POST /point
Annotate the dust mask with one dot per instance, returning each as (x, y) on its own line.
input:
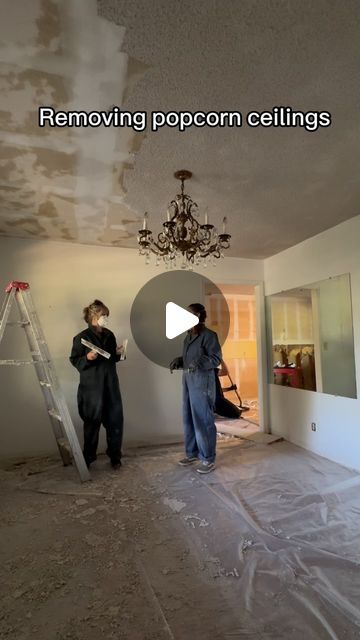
(103, 321)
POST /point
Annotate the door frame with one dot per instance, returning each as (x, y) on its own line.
(261, 344)
(262, 358)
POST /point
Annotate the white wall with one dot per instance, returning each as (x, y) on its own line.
(336, 337)
(64, 278)
(331, 253)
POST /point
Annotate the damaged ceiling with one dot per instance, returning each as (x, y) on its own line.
(277, 186)
(64, 183)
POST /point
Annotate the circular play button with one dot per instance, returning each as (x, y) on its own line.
(160, 316)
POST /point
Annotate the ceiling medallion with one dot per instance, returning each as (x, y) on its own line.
(184, 242)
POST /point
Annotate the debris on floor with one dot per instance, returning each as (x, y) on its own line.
(153, 552)
(175, 505)
(200, 521)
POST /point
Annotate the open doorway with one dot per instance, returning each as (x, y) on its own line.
(239, 348)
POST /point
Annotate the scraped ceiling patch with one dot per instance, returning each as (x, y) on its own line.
(58, 183)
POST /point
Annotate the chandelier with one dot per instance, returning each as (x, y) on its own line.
(184, 242)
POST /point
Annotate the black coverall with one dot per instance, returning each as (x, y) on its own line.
(99, 397)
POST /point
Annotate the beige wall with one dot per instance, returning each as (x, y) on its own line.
(64, 277)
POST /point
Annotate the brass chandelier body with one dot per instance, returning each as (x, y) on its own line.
(182, 235)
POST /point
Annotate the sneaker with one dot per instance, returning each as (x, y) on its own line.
(184, 462)
(206, 467)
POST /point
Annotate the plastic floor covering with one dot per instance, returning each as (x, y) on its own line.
(267, 546)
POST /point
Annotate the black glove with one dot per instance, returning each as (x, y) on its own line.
(177, 363)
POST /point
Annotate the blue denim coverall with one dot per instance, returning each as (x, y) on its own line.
(202, 355)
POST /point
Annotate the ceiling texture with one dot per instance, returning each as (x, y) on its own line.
(277, 186)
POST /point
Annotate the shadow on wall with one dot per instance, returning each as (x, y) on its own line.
(25, 426)
(26, 429)
(64, 279)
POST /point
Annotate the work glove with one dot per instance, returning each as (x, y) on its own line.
(177, 363)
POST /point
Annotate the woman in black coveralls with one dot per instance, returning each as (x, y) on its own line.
(99, 397)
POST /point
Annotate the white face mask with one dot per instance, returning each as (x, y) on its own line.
(103, 321)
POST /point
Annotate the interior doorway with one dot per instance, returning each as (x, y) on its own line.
(240, 347)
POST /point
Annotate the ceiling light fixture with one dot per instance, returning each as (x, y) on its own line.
(183, 237)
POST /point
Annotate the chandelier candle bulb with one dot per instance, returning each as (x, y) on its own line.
(224, 225)
(206, 218)
(168, 214)
(145, 223)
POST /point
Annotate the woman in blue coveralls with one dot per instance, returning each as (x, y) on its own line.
(201, 356)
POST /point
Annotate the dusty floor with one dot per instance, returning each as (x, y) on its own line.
(253, 414)
(267, 546)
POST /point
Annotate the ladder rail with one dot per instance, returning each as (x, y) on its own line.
(54, 398)
(36, 339)
(35, 335)
(29, 313)
(5, 311)
(42, 366)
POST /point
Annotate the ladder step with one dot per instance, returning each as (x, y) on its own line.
(16, 362)
(55, 415)
(23, 323)
(233, 387)
(21, 362)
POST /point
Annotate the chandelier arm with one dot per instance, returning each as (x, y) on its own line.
(214, 248)
(158, 250)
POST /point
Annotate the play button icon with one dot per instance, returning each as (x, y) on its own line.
(159, 314)
(178, 320)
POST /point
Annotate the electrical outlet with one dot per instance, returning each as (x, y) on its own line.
(313, 426)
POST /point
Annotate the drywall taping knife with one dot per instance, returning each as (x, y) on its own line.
(93, 347)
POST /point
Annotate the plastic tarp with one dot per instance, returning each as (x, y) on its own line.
(278, 528)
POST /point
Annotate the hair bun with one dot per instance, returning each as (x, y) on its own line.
(94, 308)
